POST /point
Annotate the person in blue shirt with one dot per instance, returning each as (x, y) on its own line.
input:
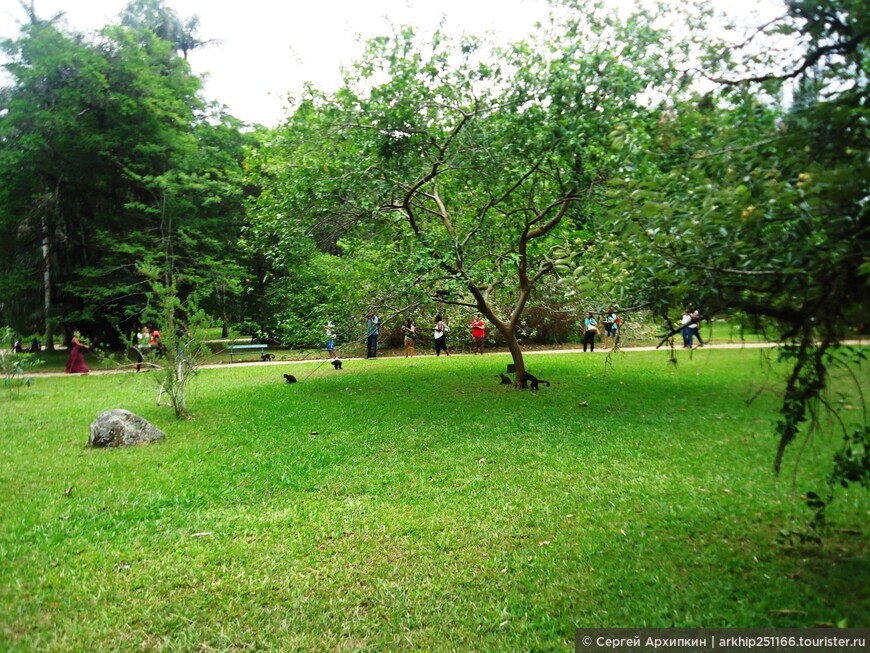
(330, 339)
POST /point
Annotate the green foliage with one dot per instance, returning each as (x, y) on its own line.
(14, 365)
(102, 141)
(180, 324)
(465, 163)
(748, 203)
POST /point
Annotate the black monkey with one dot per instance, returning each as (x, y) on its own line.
(336, 363)
(505, 380)
(267, 357)
(533, 381)
(289, 378)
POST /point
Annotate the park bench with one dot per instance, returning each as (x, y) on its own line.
(247, 349)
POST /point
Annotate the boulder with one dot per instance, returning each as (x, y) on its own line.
(121, 428)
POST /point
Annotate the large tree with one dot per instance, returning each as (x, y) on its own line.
(470, 163)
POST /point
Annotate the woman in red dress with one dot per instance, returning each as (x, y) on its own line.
(75, 364)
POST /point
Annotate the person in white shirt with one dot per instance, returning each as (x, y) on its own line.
(440, 332)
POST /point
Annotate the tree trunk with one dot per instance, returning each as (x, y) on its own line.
(46, 282)
(225, 324)
(513, 344)
(507, 329)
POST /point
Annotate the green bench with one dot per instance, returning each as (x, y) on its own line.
(248, 349)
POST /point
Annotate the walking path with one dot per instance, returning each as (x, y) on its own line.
(491, 352)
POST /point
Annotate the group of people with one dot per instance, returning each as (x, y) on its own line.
(148, 340)
(410, 334)
(609, 327)
(18, 346)
(610, 321)
(75, 363)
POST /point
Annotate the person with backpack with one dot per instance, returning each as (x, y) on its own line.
(696, 327)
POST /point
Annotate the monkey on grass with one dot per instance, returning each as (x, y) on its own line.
(533, 381)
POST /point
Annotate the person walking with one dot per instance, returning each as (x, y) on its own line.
(75, 364)
(611, 326)
(409, 330)
(590, 330)
(440, 332)
(373, 330)
(478, 333)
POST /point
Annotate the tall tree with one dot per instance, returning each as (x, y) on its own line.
(165, 23)
(107, 149)
(473, 163)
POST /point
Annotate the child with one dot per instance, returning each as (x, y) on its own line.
(330, 339)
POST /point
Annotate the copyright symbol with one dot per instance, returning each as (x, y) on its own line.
(587, 641)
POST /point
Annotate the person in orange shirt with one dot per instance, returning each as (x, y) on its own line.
(156, 342)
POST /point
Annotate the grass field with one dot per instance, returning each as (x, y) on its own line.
(416, 504)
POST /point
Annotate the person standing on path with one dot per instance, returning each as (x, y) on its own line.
(686, 329)
(143, 344)
(409, 330)
(440, 332)
(590, 330)
(696, 327)
(373, 330)
(610, 326)
(478, 333)
(330, 339)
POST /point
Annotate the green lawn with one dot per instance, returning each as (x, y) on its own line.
(404, 504)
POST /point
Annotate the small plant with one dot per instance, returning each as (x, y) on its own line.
(179, 346)
(14, 364)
